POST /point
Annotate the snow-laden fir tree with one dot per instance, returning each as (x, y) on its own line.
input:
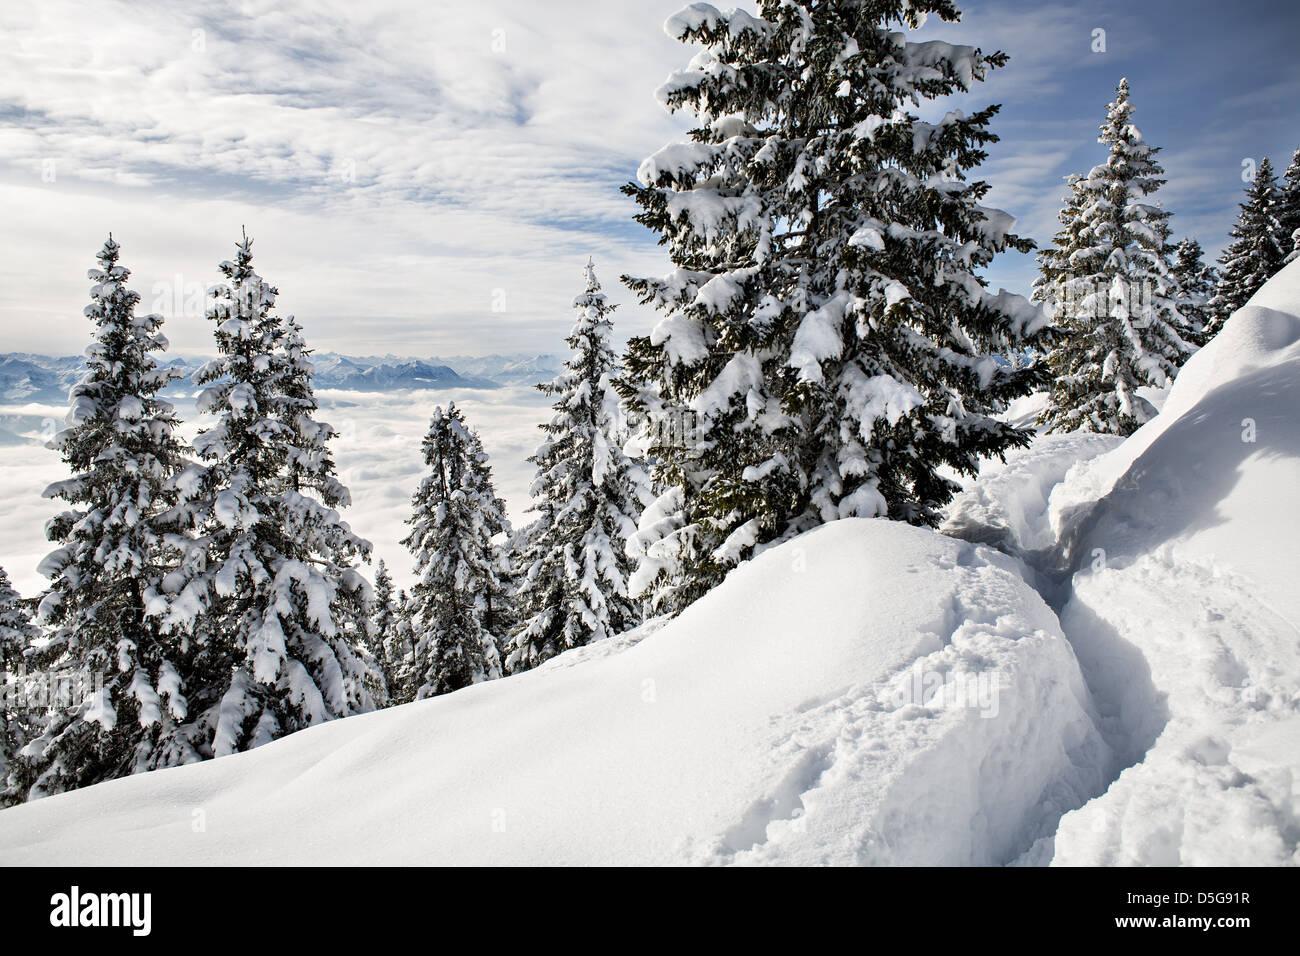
(17, 629)
(1197, 282)
(1255, 251)
(1054, 261)
(510, 573)
(1114, 295)
(309, 460)
(588, 495)
(456, 598)
(383, 627)
(383, 611)
(399, 653)
(268, 599)
(17, 636)
(1288, 215)
(828, 347)
(497, 600)
(312, 471)
(119, 679)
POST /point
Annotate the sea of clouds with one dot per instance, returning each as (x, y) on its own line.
(377, 451)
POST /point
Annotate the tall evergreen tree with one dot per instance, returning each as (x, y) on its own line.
(1198, 282)
(383, 628)
(17, 636)
(497, 598)
(312, 471)
(510, 572)
(828, 348)
(1288, 216)
(269, 599)
(309, 461)
(455, 516)
(122, 679)
(399, 653)
(1255, 252)
(1114, 293)
(588, 495)
(1054, 269)
(383, 614)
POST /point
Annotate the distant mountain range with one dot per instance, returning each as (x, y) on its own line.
(27, 379)
(42, 378)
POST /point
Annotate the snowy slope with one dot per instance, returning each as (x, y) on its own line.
(1186, 612)
(1009, 505)
(869, 693)
(1172, 558)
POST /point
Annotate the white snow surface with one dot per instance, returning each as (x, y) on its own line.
(867, 693)
(1180, 548)
(870, 693)
(1186, 612)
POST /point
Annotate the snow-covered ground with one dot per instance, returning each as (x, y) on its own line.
(1116, 685)
(1186, 614)
(1173, 556)
(841, 699)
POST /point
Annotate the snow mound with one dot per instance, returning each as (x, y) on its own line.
(1262, 335)
(1007, 506)
(1184, 613)
(867, 693)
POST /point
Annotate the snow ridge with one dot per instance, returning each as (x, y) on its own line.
(1178, 599)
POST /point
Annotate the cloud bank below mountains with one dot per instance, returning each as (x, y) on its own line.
(378, 453)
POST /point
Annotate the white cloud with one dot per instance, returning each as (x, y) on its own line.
(378, 453)
(397, 163)
(402, 164)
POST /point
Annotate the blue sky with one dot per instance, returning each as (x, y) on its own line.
(1212, 86)
(428, 179)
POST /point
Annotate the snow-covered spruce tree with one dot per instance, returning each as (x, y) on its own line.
(1115, 297)
(312, 471)
(1197, 281)
(1054, 261)
(828, 346)
(1255, 252)
(497, 601)
(510, 572)
(456, 597)
(310, 464)
(399, 653)
(588, 495)
(271, 606)
(1288, 216)
(383, 628)
(120, 680)
(383, 609)
(17, 634)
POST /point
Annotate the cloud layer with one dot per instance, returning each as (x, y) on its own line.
(379, 457)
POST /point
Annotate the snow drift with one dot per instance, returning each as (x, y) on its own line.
(869, 693)
(1172, 557)
(1185, 611)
